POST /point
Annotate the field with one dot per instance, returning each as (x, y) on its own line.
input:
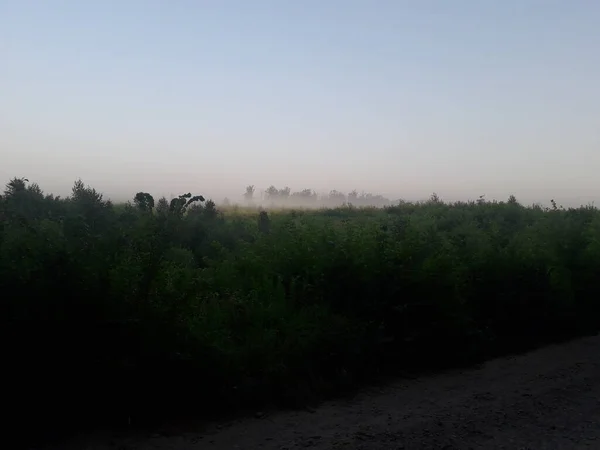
(131, 313)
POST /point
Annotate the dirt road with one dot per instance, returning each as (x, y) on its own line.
(548, 399)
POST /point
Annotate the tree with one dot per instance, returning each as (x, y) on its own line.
(336, 198)
(434, 198)
(179, 205)
(143, 201)
(88, 202)
(284, 193)
(15, 185)
(210, 209)
(305, 197)
(353, 197)
(272, 193)
(249, 194)
(85, 194)
(162, 207)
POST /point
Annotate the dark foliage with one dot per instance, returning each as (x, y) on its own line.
(124, 314)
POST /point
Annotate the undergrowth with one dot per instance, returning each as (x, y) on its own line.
(132, 313)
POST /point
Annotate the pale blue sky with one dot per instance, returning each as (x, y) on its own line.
(396, 97)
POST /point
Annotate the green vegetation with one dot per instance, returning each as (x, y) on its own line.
(132, 312)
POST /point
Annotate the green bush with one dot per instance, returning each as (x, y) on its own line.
(130, 312)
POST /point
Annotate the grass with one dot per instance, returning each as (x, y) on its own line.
(138, 312)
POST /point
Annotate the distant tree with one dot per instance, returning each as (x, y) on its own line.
(179, 205)
(434, 198)
(85, 194)
(162, 207)
(309, 197)
(143, 201)
(306, 197)
(305, 193)
(210, 209)
(368, 199)
(23, 201)
(336, 198)
(35, 189)
(284, 193)
(249, 194)
(272, 193)
(89, 202)
(353, 197)
(15, 185)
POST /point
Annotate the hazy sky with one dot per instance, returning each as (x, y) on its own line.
(395, 97)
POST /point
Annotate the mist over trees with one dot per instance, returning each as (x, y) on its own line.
(129, 312)
(308, 198)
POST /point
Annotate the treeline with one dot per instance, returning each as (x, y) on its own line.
(122, 314)
(307, 198)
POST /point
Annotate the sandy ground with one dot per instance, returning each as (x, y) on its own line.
(547, 399)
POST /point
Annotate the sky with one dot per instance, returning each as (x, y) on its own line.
(401, 98)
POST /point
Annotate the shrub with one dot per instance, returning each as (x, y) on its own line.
(123, 314)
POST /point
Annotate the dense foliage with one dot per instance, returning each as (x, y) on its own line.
(124, 312)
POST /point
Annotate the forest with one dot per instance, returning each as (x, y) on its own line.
(308, 198)
(128, 314)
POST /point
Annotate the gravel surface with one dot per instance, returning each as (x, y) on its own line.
(547, 399)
